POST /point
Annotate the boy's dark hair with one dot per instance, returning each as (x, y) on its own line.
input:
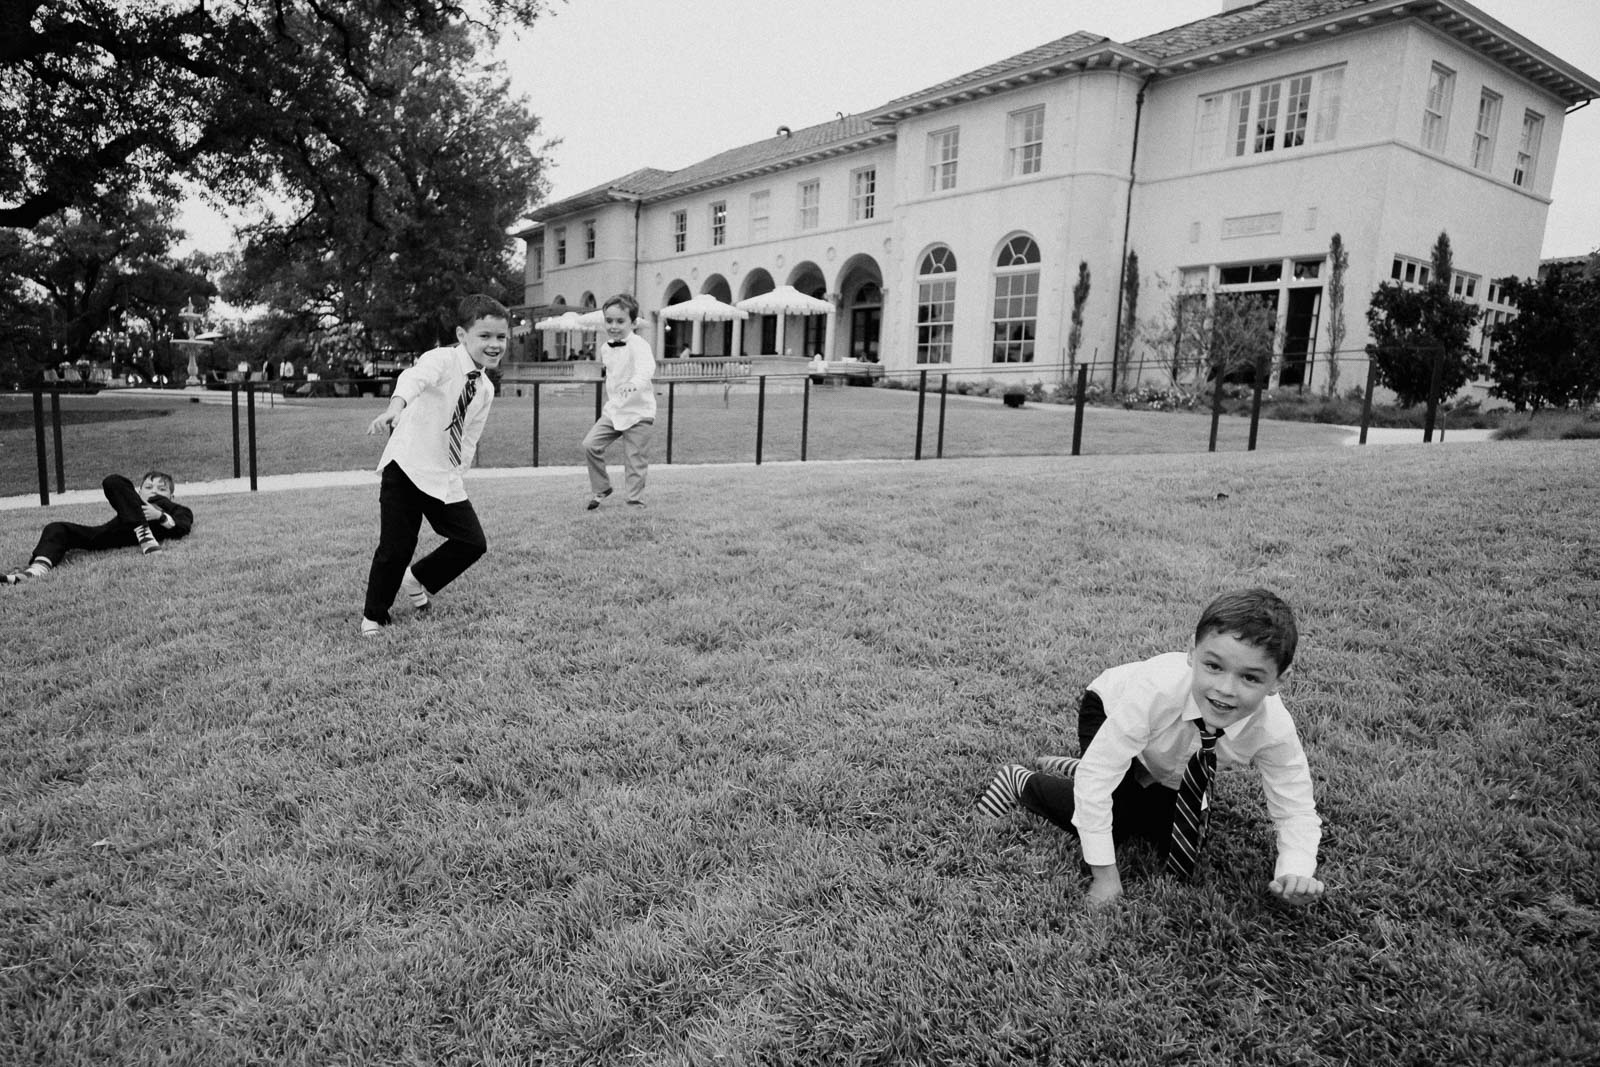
(626, 302)
(172, 483)
(1255, 616)
(479, 306)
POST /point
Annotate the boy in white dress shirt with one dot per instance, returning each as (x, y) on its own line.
(435, 417)
(630, 408)
(1142, 728)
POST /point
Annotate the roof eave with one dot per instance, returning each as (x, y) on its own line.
(821, 152)
(1103, 56)
(1456, 18)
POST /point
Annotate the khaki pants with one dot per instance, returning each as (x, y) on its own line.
(635, 460)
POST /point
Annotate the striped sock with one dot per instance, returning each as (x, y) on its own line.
(1005, 791)
(147, 540)
(37, 569)
(1060, 766)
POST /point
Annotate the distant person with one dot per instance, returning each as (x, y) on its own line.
(286, 370)
(630, 408)
(1150, 736)
(434, 418)
(146, 516)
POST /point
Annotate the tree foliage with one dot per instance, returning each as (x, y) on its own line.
(1338, 263)
(100, 97)
(1128, 328)
(1080, 297)
(1548, 355)
(1415, 329)
(1206, 333)
(458, 170)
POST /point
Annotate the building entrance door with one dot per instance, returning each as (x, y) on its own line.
(865, 323)
(1299, 334)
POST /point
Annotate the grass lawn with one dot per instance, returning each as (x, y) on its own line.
(695, 786)
(195, 440)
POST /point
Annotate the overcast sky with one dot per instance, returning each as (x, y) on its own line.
(624, 84)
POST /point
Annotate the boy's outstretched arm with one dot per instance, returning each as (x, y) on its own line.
(1295, 888)
(390, 416)
(1105, 885)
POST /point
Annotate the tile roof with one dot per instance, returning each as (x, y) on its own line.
(1061, 46)
(1237, 24)
(776, 149)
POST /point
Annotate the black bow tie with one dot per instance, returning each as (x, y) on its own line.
(616, 344)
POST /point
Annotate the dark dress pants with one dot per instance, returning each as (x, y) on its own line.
(1137, 811)
(401, 509)
(59, 537)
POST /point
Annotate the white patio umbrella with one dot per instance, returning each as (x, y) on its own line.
(703, 308)
(782, 301)
(569, 322)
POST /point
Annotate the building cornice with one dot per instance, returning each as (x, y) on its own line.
(871, 139)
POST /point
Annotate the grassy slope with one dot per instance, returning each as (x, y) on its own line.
(696, 783)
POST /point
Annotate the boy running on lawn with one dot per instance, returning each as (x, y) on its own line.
(434, 418)
(1150, 736)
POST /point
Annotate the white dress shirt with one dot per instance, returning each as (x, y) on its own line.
(421, 439)
(631, 364)
(1151, 715)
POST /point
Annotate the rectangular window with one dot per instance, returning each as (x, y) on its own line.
(760, 214)
(936, 320)
(864, 194)
(719, 223)
(1408, 271)
(810, 204)
(1488, 125)
(561, 246)
(1464, 286)
(1436, 112)
(680, 230)
(943, 149)
(1025, 142)
(1528, 149)
(536, 254)
(1270, 117)
(1016, 309)
(588, 239)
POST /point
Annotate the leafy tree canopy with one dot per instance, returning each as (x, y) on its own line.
(100, 97)
(1549, 353)
(1415, 329)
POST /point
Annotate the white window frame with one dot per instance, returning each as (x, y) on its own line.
(589, 238)
(561, 246)
(809, 200)
(1014, 308)
(1436, 108)
(719, 223)
(1282, 115)
(944, 156)
(936, 289)
(1487, 130)
(1410, 271)
(536, 254)
(760, 214)
(680, 231)
(1025, 141)
(864, 194)
(1528, 149)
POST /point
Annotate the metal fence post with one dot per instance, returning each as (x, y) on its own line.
(536, 385)
(1255, 406)
(672, 422)
(1433, 395)
(1366, 399)
(234, 391)
(1216, 410)
(1077, 414)
(55, 429)
(761, 413)
(944, 389)
(38, 440)
(250, 399)
(922, 397)
(599, 397)
(805, 416)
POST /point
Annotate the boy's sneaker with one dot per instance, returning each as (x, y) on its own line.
(14, 577)
(1005, 791)
(147, 540)
(37, 569)
(1060, 766)
(370, 628)
(594, 501)
(415, 591)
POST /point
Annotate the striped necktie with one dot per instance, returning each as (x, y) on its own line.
(460, 416)
(1191, 812)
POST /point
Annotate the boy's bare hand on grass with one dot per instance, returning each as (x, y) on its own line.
(1295, 888)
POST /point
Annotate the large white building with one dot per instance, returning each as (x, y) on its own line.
(947, 227)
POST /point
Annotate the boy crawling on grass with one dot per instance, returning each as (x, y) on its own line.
(1150, 735)
(146, 516)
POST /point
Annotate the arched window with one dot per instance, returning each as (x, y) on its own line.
(1016, 300)
(936, 305)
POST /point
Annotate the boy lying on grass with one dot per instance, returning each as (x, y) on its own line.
(1150, 735)
(146, 516)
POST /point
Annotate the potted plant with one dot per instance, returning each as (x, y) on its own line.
(1014, 395)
